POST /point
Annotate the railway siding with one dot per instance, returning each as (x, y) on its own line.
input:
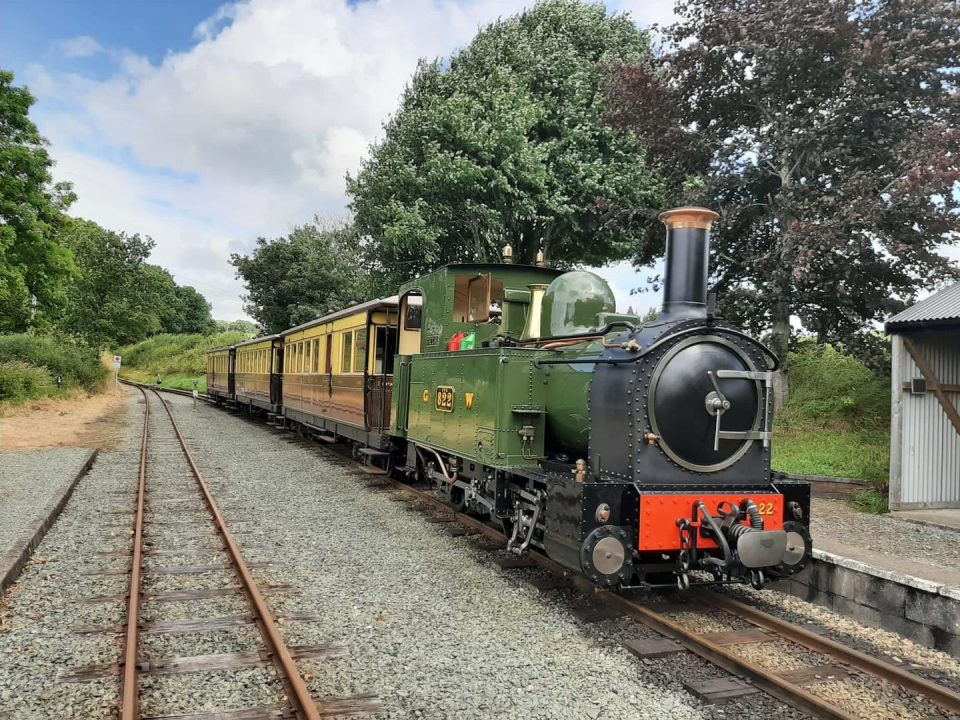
(44, 606)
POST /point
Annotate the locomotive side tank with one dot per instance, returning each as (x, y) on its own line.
(635, 454)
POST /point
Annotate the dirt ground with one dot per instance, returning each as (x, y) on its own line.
(80, 421)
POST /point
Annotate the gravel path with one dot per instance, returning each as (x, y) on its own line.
(836, 520)
(29, 481)
(432, 626)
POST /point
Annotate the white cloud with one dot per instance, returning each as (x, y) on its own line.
(251, 130)
(80, 47)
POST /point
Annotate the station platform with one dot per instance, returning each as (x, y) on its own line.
(35, 485)
(946, 519)
(885, 571)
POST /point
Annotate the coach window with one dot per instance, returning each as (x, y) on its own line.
(315, 355)
(359, 350)
(346, 351)
(411, 322)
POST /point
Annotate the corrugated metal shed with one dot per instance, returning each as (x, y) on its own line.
(925, 403)
(942, 308)
(924, 445)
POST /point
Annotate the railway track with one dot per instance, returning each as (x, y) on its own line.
(834, 661)
(190, 496)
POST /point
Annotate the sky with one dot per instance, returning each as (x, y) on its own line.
(206, 124)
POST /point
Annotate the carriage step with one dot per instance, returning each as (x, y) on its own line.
(371, 469)
(371, 452)
(330, 439)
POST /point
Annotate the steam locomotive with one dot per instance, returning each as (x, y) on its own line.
(637, 454)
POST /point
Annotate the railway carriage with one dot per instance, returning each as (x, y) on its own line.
(258, 379)
(220, 373)
(338, 373)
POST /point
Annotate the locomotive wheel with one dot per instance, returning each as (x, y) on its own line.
(457, 498)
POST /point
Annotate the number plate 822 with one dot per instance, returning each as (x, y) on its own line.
(445, 398)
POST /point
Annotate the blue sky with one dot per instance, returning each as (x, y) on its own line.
(206, 124)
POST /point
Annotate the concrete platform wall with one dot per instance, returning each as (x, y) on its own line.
(920, 610)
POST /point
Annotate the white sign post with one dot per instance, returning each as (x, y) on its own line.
(117, 361)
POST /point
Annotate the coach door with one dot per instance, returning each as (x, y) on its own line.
(380, 375)
(276, 375)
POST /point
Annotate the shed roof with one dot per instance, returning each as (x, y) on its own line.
(942, 308)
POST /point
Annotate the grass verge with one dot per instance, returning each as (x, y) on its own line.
(836, 423)
(179, 359)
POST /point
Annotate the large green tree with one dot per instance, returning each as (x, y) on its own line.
(117, 298)
(827, 134)
(505, 143)
(314, 270)
(33, 264)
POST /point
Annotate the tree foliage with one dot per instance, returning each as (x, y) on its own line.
(116, 297)
(827, 133)
(505, 143)
(314, 270)
(240, 326)
(33, 265)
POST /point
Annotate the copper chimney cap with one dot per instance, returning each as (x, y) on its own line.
(688, 217)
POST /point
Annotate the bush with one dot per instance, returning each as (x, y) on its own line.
(22, 381)
(80, 366)
(184, 355)
(828, 388)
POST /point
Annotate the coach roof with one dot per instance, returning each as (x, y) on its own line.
(346, 312)
(260, 339)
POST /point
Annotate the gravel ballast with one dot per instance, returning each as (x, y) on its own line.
(428, 622)
(431, 625)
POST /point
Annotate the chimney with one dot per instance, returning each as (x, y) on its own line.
(688, 253)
